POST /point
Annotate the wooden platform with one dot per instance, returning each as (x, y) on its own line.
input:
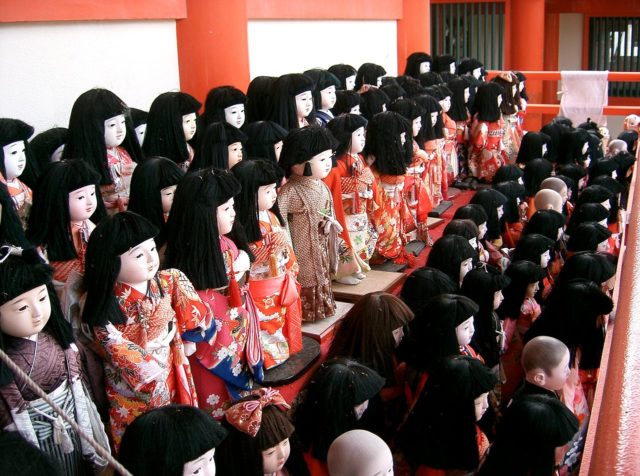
(320, 330)
(375, 281)
(296, 366)
(433, 222)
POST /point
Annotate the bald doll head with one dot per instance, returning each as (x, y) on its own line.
(359, 453)
(546, 362)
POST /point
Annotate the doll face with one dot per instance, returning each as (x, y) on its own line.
(321, 164)
(26, 314)
(609, 285)
(544, 259)
(514, 89)
(585, 148)
(204, 465)
(425, 67)
(521, 86)
(328, 97)
(398, 335)
(141, 130)
(558, 376)
(277, 149)
(474, 243)
(379, 81)
(544, 150)
(115, 131)
(564, 193)
(359, 410)
(57, 154)
(445, 104)
(15, 159)
(465, 267)
(234, 115)
(417, 125)
(499, 99)
(267, 196)
(355, 110)
(82, 203)
(500, 211)
(403, 138)
(226, 216)
(139, 264)
(273, 459)
(476, 73)
(467, 95)
(350, 82)
(606, 204)
(189, 126)
(235, 153)
(434, 118)
(498, 297)
(304, 104)
(166, 196)
(603, 247)
(464, 331)
(483, 230)
(358, 140)
(532, 289)
(560, 233)
(603, 222)
(481, 405)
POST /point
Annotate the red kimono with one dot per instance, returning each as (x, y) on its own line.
(416, 194)
(486, 150)
(22, 198)
(450, 152)
(116, 195)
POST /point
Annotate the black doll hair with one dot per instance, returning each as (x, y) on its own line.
(193, 244)
(410, 110)
(485, 103)
(442, 63)
(521, 79)
(165, 134)
(616, 188)
(535, 171)
(301, 145)
(490, 200)
(631, 138)
(43, 145)
(343, 127)
(394, 91)
(571, 144)
(472, 212)
(213, 149)
(14, 130)
(448, 253)
(594, 194)
(345, 102)
(252, 174)
(160, 441)
(572, 188)
(412, 86)
(508, 173)
(11, 231)
(373, 101)
(531, 247)
(322, 79)
(594, 212)
(258, 92)
(467, 65)
(521, 274)
(414, 61)
(111, 237)
(430, 104)
(531, 147)
(510, 101)
(463, 227)
(574, 172)
(342, 72)
(514, 192)
(602, 167)
(430, 78)
(18, 275)
(383, 143)
(261, 137)
(440, 430)
(282, 100)
(423, 284)
(458, 111)
(218, 99)
(545, 222)
(586, 237)
(85, 138)
(138, 117)
(147, 182)
(49, 220)
(589, 265)
(326, 409)
(368, 73)
(20, 457)
(233, 134)
(555, 132)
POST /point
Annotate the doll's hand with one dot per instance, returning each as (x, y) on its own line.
(366, 194)
(330, 221)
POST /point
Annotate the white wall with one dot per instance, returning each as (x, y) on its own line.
(278, 47)
(44, 67)
(570, 42)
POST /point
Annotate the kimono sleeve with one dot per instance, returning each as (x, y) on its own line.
(194, 317)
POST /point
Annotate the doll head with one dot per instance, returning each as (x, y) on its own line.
(549, 223)
(616, 146)
(454, 256)
(47, 146)
(476, 213)
(424, 284)
(291, 101)
(347, 102)
(350, 132)
(371, 331)
(225, 104)
(521, 85)
(510, 96)
(257, 107)
(394, 91)
(139, 120)
(430, 78)
(465, 228)
(414, 113)
(493, 203)
(153, 187)
(369, 73)
(573, 146)
(417, 64)
(514, 192)
(258, 180)
(534, 247)
(595, 194)
(603, 167)
(68, 192)
(264, 140)
(577, 174)
(346, 74)
(471, 67)
(15, 149)
(89, 135)
(221, 147)
(486, 103)
(547, 199)
(326, 84)
(359, 453)
(11, 231)
(445, 64)
(308, 152)
(631, 138)
(120, 249)
(587, 212)
(333, 400)
(171, 440)
(597, 267)
(615, 188)
(20, 457)
(557, 185)
(387, 142)
(524, 276)
(374, 101)
(432, 129)
(535, 172)
(589, 236)
(533, 146)
(546, 362)
(258, 435)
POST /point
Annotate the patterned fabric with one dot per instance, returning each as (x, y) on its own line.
(247, 416)
(415, 191)
(512, 137)
(434, 171)
(80, 235)
(450, 154)
(388, 218)
(486, 149)
(116, 195)
(22, 197)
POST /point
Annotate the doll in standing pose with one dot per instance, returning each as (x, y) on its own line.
(101, 133)
(433, 145)
(139, 317)
(510, 108)
(307, 208)
(291, 101)
(274, 269)
(351, 184)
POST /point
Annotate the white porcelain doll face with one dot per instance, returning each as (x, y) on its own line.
(498, 297)
(204, 465)
(445, 104)
(360, 409)
(350, 82)
(26, 314)
(141, 130)
(606, 204)
(482, 229)
(544, 150)
(166, 197)
(355, 110)
(189, 126)
(277, 149)
(476, 73)
(403, 138)
(321, 164)
(273, 459)
(328, 97)
(15, 159)
(500, 211)
(585, 148)
(304, 104)
(115, 131)
(514, 89)
(226, 215)
(417, 125)
(452, 68)
(57, 154)
(235, 153)
(481, 405)
(434, 119)
(379, 81)
(464, 331)
(82, 203)
(521, 86)
(267, 196)
(544, 259)
(139, 264)
(499, 100)
(425, 67)
(474, 243)
(234, 115)
(467, 95)
(465, 267)
(358, 140)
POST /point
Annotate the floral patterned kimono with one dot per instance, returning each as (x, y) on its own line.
(351, 185)
(145, 365)
(305, 202)
(434, 173)
(275, 292)
(486, 150)
(462, 145)
(22, 198)
(512, 137)
(116, 195)
(450, 152)
(416, 194)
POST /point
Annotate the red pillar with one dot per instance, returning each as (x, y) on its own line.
(414, 30)
(213, 48)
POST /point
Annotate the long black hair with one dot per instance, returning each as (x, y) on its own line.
(343, 127)
(414, 61)
(368, 73)
(383, 143)
(261, 139)
(218, 99)
(485, 103)
(258, 93)
(15, 130)
(342, 72)
(282, 100)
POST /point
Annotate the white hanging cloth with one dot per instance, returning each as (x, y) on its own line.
(584, 95)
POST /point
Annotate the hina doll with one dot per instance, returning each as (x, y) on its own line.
(101, 133)
(346, 74)
(224, 104)
(138, 317)
(324, 94)
(291, 101)
(418, 63)
(171, 127)
(199, 242)
(307, 207)
(264, 140)
(36, 337)
(510, 108)
(274, 269)
(351, 185)
(221, 146)
(433, 146)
